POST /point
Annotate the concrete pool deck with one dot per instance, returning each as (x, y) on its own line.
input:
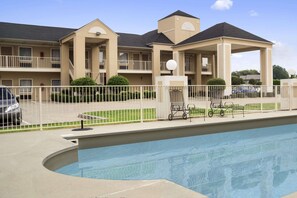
(22, 155)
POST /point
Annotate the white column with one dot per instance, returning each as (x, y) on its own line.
(179, 57)
(266, 69)
(64, 76)
(224, 64)
(79, 50)
(95, 64)
(198, 75)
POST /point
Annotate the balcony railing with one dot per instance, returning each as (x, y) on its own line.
(135, 65)
(207, 68)
(29, 62)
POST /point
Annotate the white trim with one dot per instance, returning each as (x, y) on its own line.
(29, 61)
(51, 55)
(51, 90)
(7, 79)
(6, 46)
(21, 86)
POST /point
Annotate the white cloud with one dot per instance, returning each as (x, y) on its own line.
(222, 5)
(253, 13)
(283, 54)
(237, 55)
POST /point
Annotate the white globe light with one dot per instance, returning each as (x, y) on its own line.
(171, 65)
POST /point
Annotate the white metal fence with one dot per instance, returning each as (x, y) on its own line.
(45, 107)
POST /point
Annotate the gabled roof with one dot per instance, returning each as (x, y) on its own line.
(155, 37)
(54, 34)
(222, 30)
(32, 32)
(135, 40)
(179, 13)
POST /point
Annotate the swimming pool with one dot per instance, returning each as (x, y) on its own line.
(249, 163)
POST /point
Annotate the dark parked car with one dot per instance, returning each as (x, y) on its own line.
(10, 111)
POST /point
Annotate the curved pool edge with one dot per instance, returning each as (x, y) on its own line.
(91, 140)
(61, 158)
(23, 173)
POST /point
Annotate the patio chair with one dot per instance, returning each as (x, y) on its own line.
(217, 105)
(177, 104)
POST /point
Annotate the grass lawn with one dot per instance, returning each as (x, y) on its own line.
(124, 116)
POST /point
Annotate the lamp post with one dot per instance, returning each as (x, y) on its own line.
(171, 65)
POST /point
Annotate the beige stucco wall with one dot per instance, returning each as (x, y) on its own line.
(37, 77)
(139, 79)
(179, 28)
(36, 49)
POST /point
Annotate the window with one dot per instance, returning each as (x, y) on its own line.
(26, 86)
(55, 54)
(205, 64)
(101, 60)
(56, 85)
(7, 83)
(188, 62)
(26, 53)
(123, 58)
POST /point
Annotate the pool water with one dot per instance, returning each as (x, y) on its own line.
(249, 163)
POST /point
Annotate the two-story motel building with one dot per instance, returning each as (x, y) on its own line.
(33, 55)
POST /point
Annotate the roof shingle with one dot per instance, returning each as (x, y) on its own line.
(32, 32)
(221, 30)
(179, 13)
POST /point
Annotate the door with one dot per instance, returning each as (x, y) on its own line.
(6, 57)
(136, 62)
(146, 63)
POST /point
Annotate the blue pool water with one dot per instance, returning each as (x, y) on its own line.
(249, 163)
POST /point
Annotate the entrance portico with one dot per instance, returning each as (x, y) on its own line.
(216, 49)
(77, 62)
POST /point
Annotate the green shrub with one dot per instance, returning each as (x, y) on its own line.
(252, 82)
(259, 83)
(149, 94)
(216, 81)
(85, 81)
(134, 95)
(236, 80)
(118, 80)
(65, 98)
(276, 82)
(253, 95)
(217, 86)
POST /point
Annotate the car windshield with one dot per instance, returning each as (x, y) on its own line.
(5, 94)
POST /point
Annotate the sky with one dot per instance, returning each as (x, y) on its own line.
(274, 20)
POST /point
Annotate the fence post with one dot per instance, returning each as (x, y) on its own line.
(40, 108)
(261, 99)
(6, 61)
(206, 101)
(141, 104)
(275, 97)
(290, 97)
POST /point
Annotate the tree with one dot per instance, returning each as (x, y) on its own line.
(252, 82)
(245, 72)
(236, 80)
(279, 72)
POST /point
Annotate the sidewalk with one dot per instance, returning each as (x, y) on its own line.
(23, 175)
